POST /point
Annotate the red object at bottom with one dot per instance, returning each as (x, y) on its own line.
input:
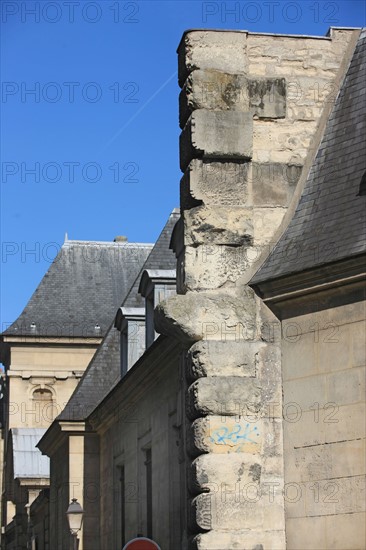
(141, 543)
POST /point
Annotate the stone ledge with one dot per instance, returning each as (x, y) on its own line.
(218, 358)
(223, 396)
(216, 135)
(208, 315)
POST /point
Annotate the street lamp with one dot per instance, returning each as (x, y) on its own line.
(75, 518)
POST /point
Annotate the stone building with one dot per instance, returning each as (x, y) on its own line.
(75, 449)
(224, 407)
(45, 352)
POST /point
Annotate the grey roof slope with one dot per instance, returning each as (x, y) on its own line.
(329, 222)
(103, 371)
(161, 257)
(81, 289)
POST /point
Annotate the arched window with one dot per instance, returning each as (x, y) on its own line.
(43, 399)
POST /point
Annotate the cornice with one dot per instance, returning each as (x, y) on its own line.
(336, 283)
(152, 365)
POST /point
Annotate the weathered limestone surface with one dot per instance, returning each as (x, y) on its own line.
(218, 225)
(267, 97)
(219, 91)
(247, 431)
(206, 315)
(208, 267)
(249, 111)
(325, 432)
(220, 358)
(214, 90)
(227, 395)
(224, 52)
(243, 539)
(214, 183)
(238, 184)
(216, 135)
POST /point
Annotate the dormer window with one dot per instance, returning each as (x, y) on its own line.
(362, 189)
(155, 285)
(130, 321)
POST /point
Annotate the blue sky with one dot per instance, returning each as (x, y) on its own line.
(93, 149)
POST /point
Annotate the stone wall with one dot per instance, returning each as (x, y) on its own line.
(143, 413)
(250, 112)
(59, 498)
(53, 366)
(39, 529)
(324, 429)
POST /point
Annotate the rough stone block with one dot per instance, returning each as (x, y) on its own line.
(226, 135)
(218, 225)
(215, 358)
(200, 513)
(217, 50)
(222, 91)
(248, 432)
(223, 395)
(224, 434)
(226, 511)
(213, 90)
(241, 539)
(212, 266)
(214, 183)
(207, 315)
(209, 471)
(267, 97)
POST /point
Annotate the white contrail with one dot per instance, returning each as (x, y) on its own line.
(138, 112)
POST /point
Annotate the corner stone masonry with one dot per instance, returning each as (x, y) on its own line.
(250, 109)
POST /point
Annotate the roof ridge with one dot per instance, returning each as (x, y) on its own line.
(124, 244)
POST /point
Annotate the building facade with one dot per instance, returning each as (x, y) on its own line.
(45, 352)
(224, 407)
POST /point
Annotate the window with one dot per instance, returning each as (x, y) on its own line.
(148, 465)
(119, 523)
(155, 285)
(130, 321)
(122, 505)
(44, 406)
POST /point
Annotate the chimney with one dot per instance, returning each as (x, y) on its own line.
(120, 239)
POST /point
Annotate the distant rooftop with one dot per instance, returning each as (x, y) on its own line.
(104, 370)
(83, 287)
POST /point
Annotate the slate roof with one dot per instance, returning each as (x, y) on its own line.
(81, 290)
(161, 257)
(28, 461)
(103, 371)
(329, 222)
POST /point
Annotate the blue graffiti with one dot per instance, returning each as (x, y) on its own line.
(238, 434)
